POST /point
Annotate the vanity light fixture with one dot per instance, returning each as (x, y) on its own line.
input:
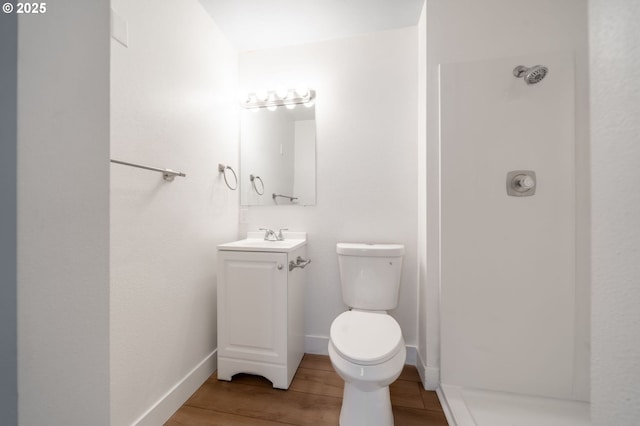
(262, 95)
(282, 92)
(271, 99)
(243, 96)
(302, 90)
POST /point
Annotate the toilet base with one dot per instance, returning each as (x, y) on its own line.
(360, 408)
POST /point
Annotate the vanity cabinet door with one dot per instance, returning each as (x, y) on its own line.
(252, 306)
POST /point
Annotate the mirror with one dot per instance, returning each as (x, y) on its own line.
(278, 156)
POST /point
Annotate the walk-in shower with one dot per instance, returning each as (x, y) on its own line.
(514, 287)
(531, 75)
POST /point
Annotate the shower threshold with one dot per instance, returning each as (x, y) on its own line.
(475, 407)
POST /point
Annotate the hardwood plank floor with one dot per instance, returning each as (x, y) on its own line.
(314, 398)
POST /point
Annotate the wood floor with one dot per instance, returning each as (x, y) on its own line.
(314, 398)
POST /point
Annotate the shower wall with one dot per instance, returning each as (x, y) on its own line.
(483, 34)
(508, 263)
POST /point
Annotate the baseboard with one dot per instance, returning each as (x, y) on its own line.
(164, 408)
(319, 345)
(422, 371)
(412, 355)
(430, 376)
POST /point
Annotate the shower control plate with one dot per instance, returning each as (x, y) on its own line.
(521, 183)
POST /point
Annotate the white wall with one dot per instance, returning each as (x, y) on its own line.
(63, 215)
(466, 30)
(366, 159)
(173, 100)
(8, 220)
(615, 108)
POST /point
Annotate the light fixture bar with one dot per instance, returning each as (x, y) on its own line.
(273, 100)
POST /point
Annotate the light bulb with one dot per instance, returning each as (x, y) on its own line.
(302, 90)
(262, 95)
(290, 106)
(282, 92)
(243, 96)
(272, 107)
(309, 104)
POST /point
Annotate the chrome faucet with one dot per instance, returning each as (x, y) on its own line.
(280, 236)
(270, 235)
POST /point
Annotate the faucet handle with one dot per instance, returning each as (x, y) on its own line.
(280, 236)
(267, 233)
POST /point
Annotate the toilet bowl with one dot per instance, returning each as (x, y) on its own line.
(366, 347)
(368, 352)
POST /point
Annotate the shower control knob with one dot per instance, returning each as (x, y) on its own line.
(526, 182)
(521, 183)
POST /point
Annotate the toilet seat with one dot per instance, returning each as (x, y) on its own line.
(366, 338)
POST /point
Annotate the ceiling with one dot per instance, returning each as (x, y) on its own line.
(263, 24)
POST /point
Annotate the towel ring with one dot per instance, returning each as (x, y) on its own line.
(253, 179)
(223, 169)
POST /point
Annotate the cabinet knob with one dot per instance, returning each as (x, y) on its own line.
(279, 266)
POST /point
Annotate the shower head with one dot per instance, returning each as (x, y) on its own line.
(532, 75)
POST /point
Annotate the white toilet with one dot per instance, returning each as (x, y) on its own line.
(366, 347)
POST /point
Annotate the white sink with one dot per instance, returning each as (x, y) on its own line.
(255, 242)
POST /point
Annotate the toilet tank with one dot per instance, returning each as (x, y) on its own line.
(370, 275)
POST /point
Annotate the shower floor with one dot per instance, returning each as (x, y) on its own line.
(473, 407)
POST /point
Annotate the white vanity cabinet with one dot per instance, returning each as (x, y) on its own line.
(260, 310)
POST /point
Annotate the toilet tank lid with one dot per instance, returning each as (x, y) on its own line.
(361, 249)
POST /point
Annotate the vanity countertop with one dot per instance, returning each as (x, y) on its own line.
(255, 242)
